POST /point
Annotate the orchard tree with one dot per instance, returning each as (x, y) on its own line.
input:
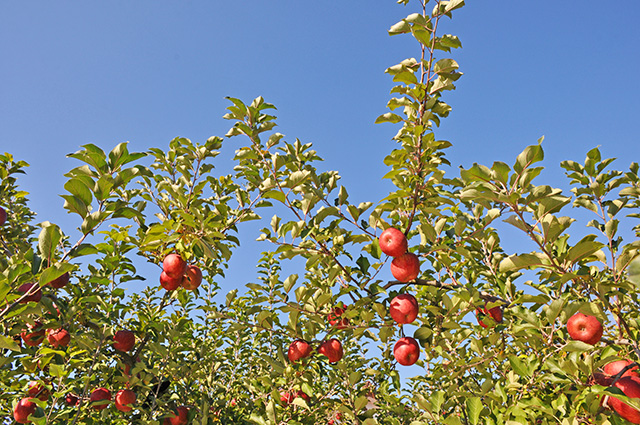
(487, 336)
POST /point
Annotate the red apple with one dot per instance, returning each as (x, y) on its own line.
(332, 348)
(124, 400)
(60, 281)
(180, 416)
(287, 397)
(393, 242)
(38, 390)
(630, 386)
(71, 400)
(193, 278)
(602, 379)
(613, 368)
(3, 216)
(584, 328)
(335, 318)
(23, 410)
(34, 297)
(169, 283)
(124, 340)
(299, 349)
(406, 267)
(494, 312)
(174, 266)
(406, 351)
(58, 337)
(98, 397)
(404, 309)
(33, 338)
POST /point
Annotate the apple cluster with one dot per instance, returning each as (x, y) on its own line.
(405, 265)
(176, 273)
(621, 374)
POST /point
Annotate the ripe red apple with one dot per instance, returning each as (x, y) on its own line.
(335, 318)
(406, 267)
(584, 328)
(630, 386)
(169, 283)
(71, 400)
(3, 216)
(287, 397)
(404, 309)
(174, 266)
(23, 410)
(98, 396)
(58, 337)
(180, 416)
(406, 351)
(299, 349)
(332, 348)
(613, 368)
(124, 340)
(38, 390)
(192, 278)
(34, 338)
(35, 297)
(494, 313)
(60, 282)
(124, 400)
(393, 242)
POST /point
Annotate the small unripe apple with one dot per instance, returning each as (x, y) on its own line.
(35, 297)
(23, 410)
(124, 400)
(406, 351)
(192, 278)
(180, 416)
(60, 282)
(124, 340)
(58, 337)
(332, 348)
(37, 390)
(169, 283)
(404, 309)
(174, 266)
(584, 328)
(393, 242)
(299, 349)
(630, 386)
(34, 338)
(613, 368)
(336, 320)
(494, 313)
(406, 267)
(100, 398)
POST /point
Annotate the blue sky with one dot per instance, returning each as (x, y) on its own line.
(147, 71)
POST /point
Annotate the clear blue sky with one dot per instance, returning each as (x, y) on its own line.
(144, 71)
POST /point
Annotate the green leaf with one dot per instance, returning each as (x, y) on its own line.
(586, 247)
(7, 343)
(388, 117)
(474, 408)
(289, 282)
(48, 239)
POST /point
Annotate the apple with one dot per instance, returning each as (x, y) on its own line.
(98, 397)
(34, 338)
(58, 337)
(124, 340)
(335, 318)
(3, 216)
(174, 266)
(37, 390)
(287, 397)
(71, 400)
(193, 278)
(60, 281)
(494, 313)
(180, 417)
(23, 410)
(613, 368)
(602, 379)
(630, 386)
(35, 297)
(406, 351)
(124, 400)
(169, 283)
(332, 348)
(393, 242)
(584, 328)
(406, 267)
(404, 308)
(299, 349)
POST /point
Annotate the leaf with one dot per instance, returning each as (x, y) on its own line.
(289, 282)
(474, 408)
(48, 239)
(388, 117)
(584, 248)
(7, 343)
(518, 366)
(577, 346)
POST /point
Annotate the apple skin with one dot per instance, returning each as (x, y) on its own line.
(494, 312)
(174, 266)
(404, 309)
(58, 337)
(287, 397)
(124, 340)
(23, 410)
(393, 242)
(35, 297)
(180, 419)
(299, 349)
(192, 278)
(335, 318)
(406, 267)
(584, 328)
(124, 400)
(60, 282)
(169, 283)
(630, 386)
(613, 368)
(100, 394)
(33, 339)
(71, 400)
(37, 390)
(3, 216)
(406, 351)
(332, 348)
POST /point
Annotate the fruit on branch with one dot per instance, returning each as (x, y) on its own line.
(37, 390)
(33, 338)
(58, 337)
(584, 328)
(393, 242)
(174, 266)
(3, 216)
(100, 398)
(406, 351)
(494, 314)
(23, 410)
(124, 340)
(602, 379)
(71, 400)
(630, 386)
(192, 278)
(336, 320)
(404, 309)
(332, 348)
(34, 297)
(169, 283)
(299, 349)
(406, 267)
(287, 397)
(180, 417)
(60, 282)
(124, 400)
(613, 368)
